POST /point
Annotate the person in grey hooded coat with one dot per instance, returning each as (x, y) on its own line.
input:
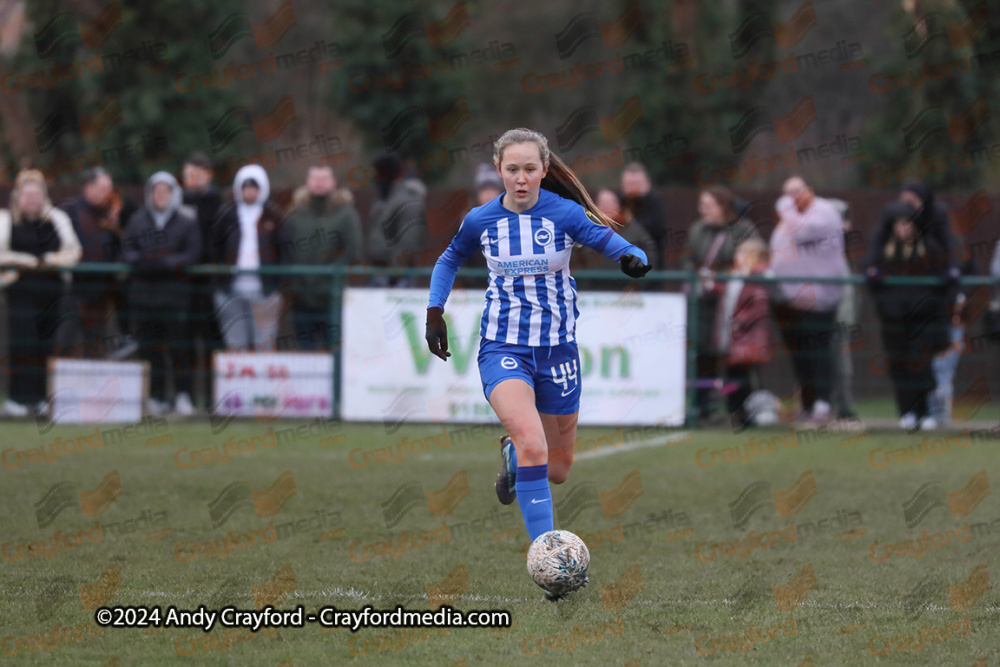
(160, 240)
(398, 224)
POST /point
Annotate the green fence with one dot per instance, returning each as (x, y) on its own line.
(340, 276)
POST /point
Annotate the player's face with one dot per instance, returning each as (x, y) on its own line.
(522, 170)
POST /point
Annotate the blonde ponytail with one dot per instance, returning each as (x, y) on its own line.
(564, 183)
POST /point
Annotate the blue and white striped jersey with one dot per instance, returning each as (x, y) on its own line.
(531, 299)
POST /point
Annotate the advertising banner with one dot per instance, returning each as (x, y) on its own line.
(274, 384)
(632, 358)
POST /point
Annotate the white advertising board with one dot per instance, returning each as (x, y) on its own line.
(89, 391)
(632, 354)
(273, 384)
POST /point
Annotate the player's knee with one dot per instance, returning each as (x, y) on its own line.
(558, 474)
(531, 449)
(561, 458)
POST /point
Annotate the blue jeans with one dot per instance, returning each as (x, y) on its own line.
(249, 321)
(944, 365)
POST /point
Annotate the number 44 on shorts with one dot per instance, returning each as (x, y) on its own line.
(567, 372)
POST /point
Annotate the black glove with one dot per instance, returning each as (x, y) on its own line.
(633, 267)
(437, 333)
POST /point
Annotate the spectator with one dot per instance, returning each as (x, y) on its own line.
(99, 215)
(808, 241)
(624, 215)
(248, 233)
(631, 230)
(160, 240)
(743, 330)
(651, 212)
(842, 396)
(610, 203)
(398, 220)
(326, 229)
(995, 270)
(914, 317)
(931, 219)
(946, 362)
(713, 241)
(201, 195)
(33, 234)
(991, 318)
(489, 185)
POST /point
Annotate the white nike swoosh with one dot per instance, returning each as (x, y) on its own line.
(535, 501)
(567, 393)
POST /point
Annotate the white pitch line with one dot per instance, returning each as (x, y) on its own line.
(350, 594)
(606, 450)
(641, 444)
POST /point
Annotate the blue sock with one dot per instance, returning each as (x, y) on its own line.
(535, 499)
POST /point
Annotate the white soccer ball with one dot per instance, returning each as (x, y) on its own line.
(558, 561)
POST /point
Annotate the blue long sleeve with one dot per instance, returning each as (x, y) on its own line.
(602, 239)
(443, 276)
(616, 246)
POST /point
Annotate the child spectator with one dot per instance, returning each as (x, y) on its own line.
(743, 329)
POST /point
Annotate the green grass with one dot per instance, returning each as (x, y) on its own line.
(680, 601)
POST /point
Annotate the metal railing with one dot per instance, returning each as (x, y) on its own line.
(339, 275)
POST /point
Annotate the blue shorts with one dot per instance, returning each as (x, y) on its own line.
(554, 372)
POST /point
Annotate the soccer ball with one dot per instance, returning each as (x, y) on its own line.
(558, 561)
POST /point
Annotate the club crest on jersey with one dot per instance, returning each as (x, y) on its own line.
(509, 363)
(543, 236)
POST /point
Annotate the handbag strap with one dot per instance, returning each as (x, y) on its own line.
(720, 238)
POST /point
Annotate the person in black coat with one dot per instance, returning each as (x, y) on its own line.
(201, 195)
(159, 242)
(930, 220)
(650, 211)
(99, 216)
(914, 317)
(204, 198)
(251, 232)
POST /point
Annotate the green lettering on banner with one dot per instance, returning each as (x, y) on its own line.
(607, 355)
(418, 346)
(461, 356)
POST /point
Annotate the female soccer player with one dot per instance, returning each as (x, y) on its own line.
(528, 359)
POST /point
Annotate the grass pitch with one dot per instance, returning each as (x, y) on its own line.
(768, 547)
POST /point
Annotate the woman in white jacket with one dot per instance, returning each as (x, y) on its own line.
(33, 235)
